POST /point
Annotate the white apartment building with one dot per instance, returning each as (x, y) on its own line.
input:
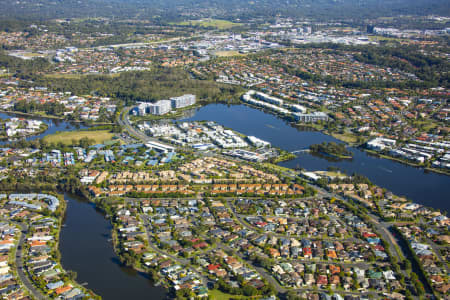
(182, 101)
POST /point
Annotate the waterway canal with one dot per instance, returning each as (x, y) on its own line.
(54, 125)
(423, 187)
(85, 238)
(86, 248)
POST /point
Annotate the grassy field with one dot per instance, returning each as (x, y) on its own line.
(227, 53)
(277, 167)
(378, 38)
(219, 24)
(32, 54)
(65, 76)
(218, 295)
(66, 137)
(345, 137)
(75, 76)
(426, 125)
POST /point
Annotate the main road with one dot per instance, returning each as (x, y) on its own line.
(124, 121)
(382, 228)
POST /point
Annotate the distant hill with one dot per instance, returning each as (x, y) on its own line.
(178, 9)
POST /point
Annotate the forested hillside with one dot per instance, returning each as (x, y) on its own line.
(179, 9)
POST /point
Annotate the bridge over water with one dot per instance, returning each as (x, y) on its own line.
(300, 151)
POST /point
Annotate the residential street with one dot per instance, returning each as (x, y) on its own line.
(19, 262)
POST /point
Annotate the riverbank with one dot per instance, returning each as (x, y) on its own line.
(427, 188)
(180, 112)
(31, 114)
(409, 163)
(71, 275)
(45, 116)
(349, 139)
(87, 247)
(44, 128)
(41, 224)
(283, 156)
(107, 207)
(331, 149)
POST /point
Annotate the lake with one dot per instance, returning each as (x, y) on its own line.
(54, 125)
(420, 186)
(85, 239)
(86, 247)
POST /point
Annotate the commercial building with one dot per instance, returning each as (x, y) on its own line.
(164, 106)
(158, 108)
(160, 147)
(268, 99)
(380, 143)
(311, 117)
(182, 101)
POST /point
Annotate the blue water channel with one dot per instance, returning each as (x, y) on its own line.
(424, 187)
(54, 125)
(85, 240)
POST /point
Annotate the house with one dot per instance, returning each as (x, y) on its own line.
(309, 279)
(274, 252)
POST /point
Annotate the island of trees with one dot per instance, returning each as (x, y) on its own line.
(331, 149)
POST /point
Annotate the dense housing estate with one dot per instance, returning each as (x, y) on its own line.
(205, 211)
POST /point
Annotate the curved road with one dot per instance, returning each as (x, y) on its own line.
(19, 262)
(181, 261)
(124, 121)
(382, 228)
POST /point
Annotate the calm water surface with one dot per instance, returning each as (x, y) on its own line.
(54, 125)
(426, 188)
(85, 239)
(86, 248)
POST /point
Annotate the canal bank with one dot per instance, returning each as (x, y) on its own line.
(86, 247)
(427, 188)
(54, 125)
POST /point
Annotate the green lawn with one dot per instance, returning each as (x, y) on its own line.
(346, 137)
(66, 137)
(218, 295)
(277, 167)
(227, 53)
(426, 125)
(75, 76)
(378, 38)
(31, 54)
(219, 24)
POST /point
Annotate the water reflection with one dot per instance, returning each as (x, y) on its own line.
(86, 248)
(54, 125)
(421, 186)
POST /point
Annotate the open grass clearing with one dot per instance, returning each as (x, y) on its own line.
(378, 38)
(227, 53)
(219, 24)
(66, 137)
(77, 76)
(218, 295)
(277, 167)
(345, 137)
